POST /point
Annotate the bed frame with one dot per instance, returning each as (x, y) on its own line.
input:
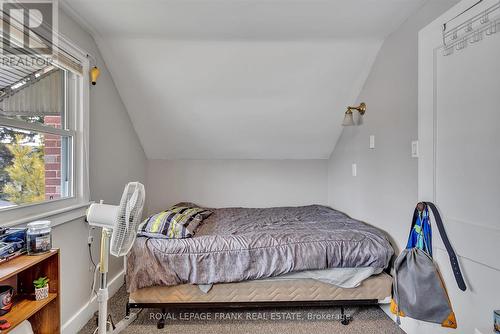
(343, 317)
(263, 294)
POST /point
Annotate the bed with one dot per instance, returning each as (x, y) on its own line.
(242, 253)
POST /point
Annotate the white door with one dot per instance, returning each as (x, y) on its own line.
(459, 164)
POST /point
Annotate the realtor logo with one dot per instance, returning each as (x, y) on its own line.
(28, 27)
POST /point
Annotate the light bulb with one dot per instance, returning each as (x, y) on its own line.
(348, 120)
(358, 119)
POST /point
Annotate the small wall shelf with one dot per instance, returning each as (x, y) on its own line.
(44, 315)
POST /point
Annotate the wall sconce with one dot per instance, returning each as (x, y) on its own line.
(348, 119)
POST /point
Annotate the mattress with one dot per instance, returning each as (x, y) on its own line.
(240, 244)
(377, 287)
(341, 277)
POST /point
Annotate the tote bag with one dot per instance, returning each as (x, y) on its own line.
(419, 291)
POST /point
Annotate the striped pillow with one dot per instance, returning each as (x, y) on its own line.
(175, 223)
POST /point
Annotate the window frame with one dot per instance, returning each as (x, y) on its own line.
(45, 129)
(76, 118)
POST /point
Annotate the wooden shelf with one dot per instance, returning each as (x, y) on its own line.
(44, 315)
(20, 263)
(24, 308)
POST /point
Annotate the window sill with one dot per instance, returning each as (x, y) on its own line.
(57, 217)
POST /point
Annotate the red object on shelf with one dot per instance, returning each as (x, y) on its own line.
(4, 324)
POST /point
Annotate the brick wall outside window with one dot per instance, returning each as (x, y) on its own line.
(52, 156)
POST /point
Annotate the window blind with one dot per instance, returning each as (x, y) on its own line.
(20, 35)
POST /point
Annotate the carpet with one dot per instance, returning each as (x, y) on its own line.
(365, 320)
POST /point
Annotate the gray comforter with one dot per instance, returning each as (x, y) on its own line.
(236, 244)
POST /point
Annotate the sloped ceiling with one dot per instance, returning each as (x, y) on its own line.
(239, 79)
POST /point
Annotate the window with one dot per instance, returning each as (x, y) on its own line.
(37, 136)
(44, 119)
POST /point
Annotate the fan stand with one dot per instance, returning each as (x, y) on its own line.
(102, 294)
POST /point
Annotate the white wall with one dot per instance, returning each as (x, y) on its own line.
(116, 157)
(223, 183)
(240, 81)
(384, 191)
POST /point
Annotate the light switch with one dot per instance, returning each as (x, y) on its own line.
(372, 141)
(414, 149)
(354, 169)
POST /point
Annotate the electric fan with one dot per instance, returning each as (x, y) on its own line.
(119, 223)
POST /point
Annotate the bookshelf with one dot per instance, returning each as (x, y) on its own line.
(44, 315)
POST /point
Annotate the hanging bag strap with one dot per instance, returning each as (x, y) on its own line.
(414, 219)
(451, 253)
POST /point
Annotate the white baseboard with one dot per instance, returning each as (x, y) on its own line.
(387, 310)
(83, 315)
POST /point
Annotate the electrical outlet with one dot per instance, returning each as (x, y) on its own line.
(354, 170)
(90, 239)
(372, 141)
